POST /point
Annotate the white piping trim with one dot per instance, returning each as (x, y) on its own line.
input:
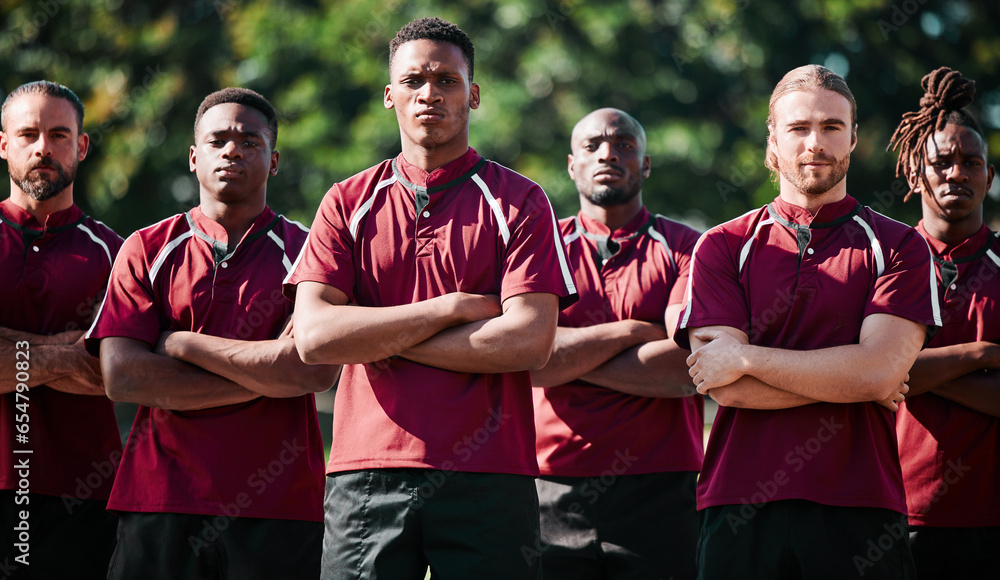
(495, 206)
(994, 257)
(876, 247)
(745, 251)
(97, 240)
(162, 257)
(363, 210)
(284, 255)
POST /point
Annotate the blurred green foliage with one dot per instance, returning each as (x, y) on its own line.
(696, 73)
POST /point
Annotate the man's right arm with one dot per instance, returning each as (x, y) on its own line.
(579, 351)
(746, 392)
(133, 373)
(56, 361)
(329, 331)
(935, 367)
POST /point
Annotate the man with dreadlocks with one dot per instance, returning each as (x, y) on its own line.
(804, 317)
(949, 431)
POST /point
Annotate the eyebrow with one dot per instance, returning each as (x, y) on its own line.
(830, 121)
(59, 129)
(227, 132)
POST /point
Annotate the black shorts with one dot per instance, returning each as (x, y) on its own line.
(65, 538)
(160, 546)
(642, 527)
(803, 540)
(945, 553)
(392, 524)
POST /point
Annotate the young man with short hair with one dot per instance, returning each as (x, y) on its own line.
(619, 438)
(435, 278)
(804, 318)
(222, 473)
(59, 440)
(948, 427)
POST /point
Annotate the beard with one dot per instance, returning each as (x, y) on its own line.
(607, 196)
(798, 176)
(40, 187)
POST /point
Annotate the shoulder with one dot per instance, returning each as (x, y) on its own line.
(362, 184)
(152, 239)
(678, 235)
(892, 233)
(737, 231)
(507, 183)
(101, 235)
(293, 234)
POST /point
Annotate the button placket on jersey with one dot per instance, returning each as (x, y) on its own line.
(424, 230)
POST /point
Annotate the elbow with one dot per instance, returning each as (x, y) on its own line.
(535, 356)
(116, 388)
(321, 378)
(307, 344)
(723, 399)
(536, 350)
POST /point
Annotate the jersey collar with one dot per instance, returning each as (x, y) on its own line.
(609, 243)
(594, 229)
(19, 217)
(825, 217)
(215, 235)
(967, 248)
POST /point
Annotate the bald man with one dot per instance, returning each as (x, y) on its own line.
(619, 434)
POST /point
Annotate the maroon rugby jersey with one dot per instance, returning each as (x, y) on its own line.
(950, 453)
(585, 429)
(806, 288)
(396, 234)
(52, 274)
(265, 456)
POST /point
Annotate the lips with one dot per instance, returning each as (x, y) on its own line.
(608, 174)
(956, 192)
(229, 170)
(430, 115)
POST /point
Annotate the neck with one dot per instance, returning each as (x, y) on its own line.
(614, 216)
(952, 233)
(41, 210)
(431, 158)
(236, 218)
(812, 202)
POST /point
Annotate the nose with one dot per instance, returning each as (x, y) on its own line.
(955, 173)
(43, 146)
(606, 152)
(813, 142)
(231, 151)
(428, 94)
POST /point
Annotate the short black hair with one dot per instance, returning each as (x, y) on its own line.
(437, 30)
(245, 97)
(44, 88)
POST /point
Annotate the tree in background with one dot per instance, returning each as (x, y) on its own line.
(697, 74)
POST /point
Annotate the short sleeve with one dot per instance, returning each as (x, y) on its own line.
(328, 254)
(129, 308)
(682, 260)
(908, 286)
(535, 257)
(715, 295)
